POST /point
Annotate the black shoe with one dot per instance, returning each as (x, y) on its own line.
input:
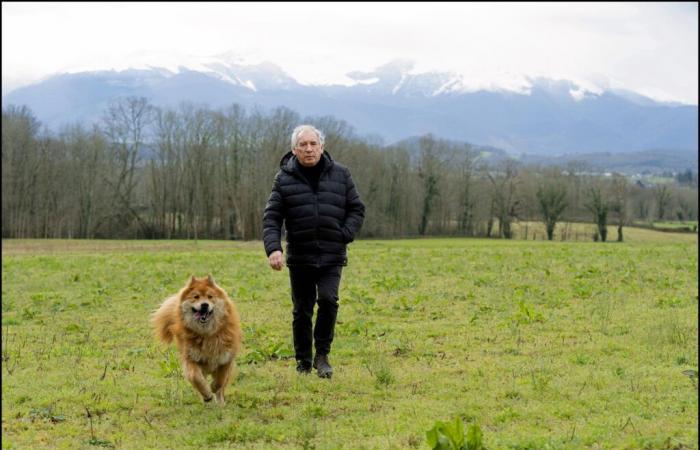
(322, 366)
(303, 367)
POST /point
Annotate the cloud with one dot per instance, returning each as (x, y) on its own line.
(649, 48)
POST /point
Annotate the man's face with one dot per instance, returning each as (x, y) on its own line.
(308, 149)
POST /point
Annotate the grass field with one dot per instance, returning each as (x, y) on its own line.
(688, 224)
(584, 232)
(542, 344)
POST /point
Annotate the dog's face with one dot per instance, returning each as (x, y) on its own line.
(203, 304)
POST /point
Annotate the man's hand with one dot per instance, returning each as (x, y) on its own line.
(276, 260)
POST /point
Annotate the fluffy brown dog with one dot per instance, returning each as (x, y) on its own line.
(207, 330)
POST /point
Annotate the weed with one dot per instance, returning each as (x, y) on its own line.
(451, 436)
(94, 440)
(314, 411)
(669, 302)
(682, 360)
(392, 283)
(169, 365)
(270, 352)
(581, 359)
(513, 395)
(308, 429)
(506, 415)
(46, 414)
(358, 327)
(692, 374)
(408, 304)
(100, 443)
(582, 289)
(402, 345)
(673, 330)
(540, 379)
(379, 368)
(363, 299)
(526, 314)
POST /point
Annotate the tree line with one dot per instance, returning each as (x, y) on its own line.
(192, 172)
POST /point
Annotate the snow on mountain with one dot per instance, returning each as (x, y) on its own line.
(395, 101)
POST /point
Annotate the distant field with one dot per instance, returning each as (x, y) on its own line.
(689, 224)
(583, 232)
(542, 344)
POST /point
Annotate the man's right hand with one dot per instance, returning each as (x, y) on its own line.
(276, 260)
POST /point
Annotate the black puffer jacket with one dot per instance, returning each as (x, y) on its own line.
(318, 224)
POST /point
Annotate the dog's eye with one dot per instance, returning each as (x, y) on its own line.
(196, 297)
(209, 297)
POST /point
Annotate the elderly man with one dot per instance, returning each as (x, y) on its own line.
(315, 197)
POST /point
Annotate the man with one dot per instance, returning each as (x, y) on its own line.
(322, 212)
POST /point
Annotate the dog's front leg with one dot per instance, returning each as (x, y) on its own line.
(222, 375)
(194, 375)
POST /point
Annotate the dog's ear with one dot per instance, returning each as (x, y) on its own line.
(192, 281)
(210, 280)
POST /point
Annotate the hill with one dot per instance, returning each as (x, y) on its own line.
(550, 118)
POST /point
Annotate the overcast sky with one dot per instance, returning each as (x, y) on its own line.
(649, 48)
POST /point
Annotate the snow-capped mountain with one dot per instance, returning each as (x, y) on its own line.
(394, 101)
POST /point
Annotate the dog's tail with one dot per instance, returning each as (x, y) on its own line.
(164, 319)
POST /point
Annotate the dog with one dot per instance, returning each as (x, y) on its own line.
(206, 328)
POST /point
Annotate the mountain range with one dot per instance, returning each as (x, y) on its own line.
(550, 118)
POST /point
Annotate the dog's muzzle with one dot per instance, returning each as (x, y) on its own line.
(203, 314)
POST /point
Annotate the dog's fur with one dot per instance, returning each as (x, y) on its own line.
(208, 337)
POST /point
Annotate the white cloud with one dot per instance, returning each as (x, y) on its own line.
(650, 48)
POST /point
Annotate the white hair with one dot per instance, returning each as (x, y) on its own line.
(301, 128)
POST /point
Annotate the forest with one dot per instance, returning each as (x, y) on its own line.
(192, 172)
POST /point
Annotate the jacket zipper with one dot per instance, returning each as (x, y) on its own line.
(315, 192)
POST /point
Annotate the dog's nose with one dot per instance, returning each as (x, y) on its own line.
(204, 307)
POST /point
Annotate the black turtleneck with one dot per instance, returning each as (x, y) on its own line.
(313, 173)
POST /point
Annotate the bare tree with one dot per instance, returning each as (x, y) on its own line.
(20, 167)
(642, 208)
(428, 171)
(125, 125)
(394, 203)
(165, 172)
(466, 195)
(551, 200)
(504, 183)
(598, 206)
(618, 204)
(231, 128)
(576, 174)
(687, 204)
(86, 159)
(662, 195)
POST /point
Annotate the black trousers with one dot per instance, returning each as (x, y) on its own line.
(311, 285)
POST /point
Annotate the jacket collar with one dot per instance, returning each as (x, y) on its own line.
(289, 163)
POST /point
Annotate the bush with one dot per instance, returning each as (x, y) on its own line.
(451, 436)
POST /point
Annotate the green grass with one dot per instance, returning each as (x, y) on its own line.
(686, 224)
(584, 232)
(542, 344)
